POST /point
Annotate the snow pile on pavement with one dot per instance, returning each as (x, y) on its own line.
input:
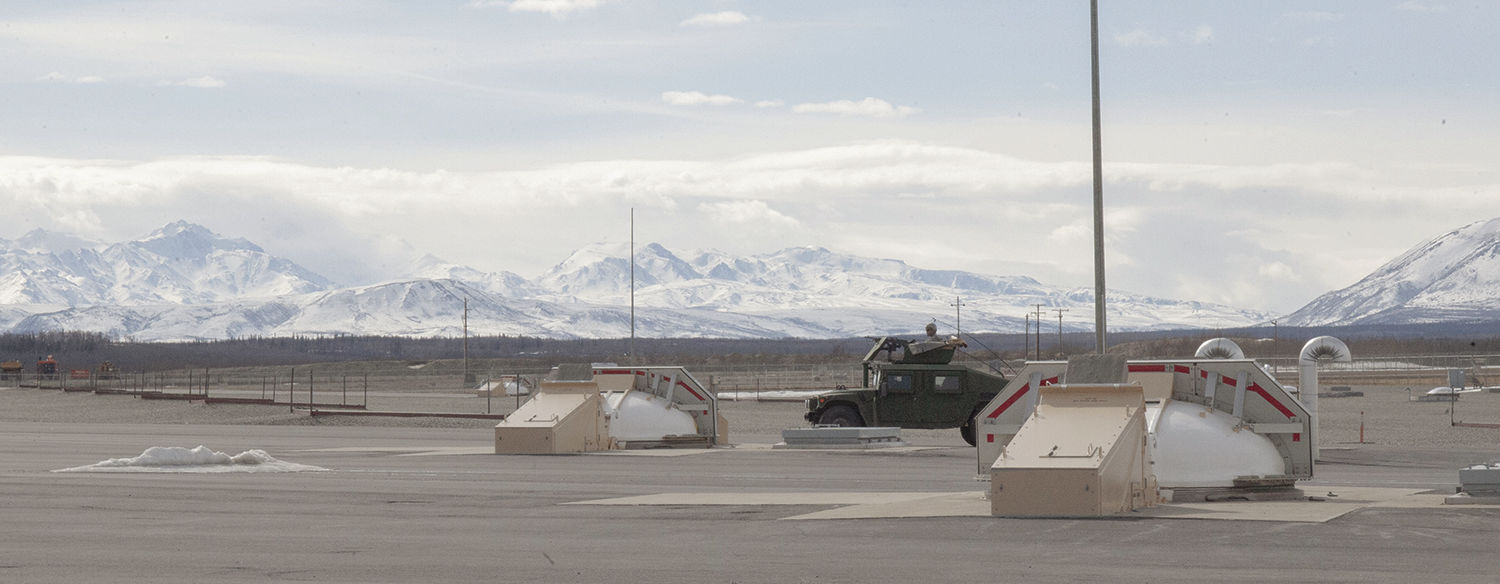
(196, 460)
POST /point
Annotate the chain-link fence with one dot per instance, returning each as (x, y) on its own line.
(444, 386)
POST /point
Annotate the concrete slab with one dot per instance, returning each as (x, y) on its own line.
(408, 450)
(969, 504)
(656, 452)
(837, 437)
(808, 498)
(856, 505)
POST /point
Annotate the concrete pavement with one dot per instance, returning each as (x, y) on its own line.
(431, 505)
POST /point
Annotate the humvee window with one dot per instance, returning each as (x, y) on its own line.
(947, 383)
(898, 382)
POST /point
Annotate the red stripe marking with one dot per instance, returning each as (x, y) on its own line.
(1296, 437)
(989, 438)
(1006, 405)
(611, 371)
(1049, 381)
(1162, 368)
(1267, 396)
(690, 390)
(1231, 382)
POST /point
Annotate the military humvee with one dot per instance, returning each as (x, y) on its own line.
(915, 385)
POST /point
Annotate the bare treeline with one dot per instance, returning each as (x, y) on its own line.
(85, 350)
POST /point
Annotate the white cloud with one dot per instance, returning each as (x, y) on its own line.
(1277, 271)
(1425, 7)
(1312, 17)
(1203, 34)
(728, 18)
(60, 78)
(1140, 38)
(769, 103)
(746, 212)
(204, 82)
(869, 106)
(697, 98)
(555, 8)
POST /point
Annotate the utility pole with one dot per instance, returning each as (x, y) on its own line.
(1099, 324)
(958, 316)
(1059, 312)
(468, 377)
(1275, 342)
(1026, 340)
(1038, 331)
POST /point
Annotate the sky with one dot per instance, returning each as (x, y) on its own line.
(1255, 154)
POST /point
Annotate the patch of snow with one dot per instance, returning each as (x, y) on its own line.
(176, 459)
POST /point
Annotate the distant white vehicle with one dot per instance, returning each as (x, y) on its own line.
(1445, 390)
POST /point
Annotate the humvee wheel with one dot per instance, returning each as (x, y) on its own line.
(967, 431)
(840, 415)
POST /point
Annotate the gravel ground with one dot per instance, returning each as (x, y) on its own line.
(1388, 416)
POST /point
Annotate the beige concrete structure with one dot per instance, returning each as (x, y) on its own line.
(1083, 452)
(564, 417)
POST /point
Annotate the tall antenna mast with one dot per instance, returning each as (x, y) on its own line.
(632, 286)
(1099, 324)
(468, 377)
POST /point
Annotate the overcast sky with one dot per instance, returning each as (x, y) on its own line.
(1256, 154)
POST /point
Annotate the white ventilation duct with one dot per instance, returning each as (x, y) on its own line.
(1319, 349)
(1220, 348)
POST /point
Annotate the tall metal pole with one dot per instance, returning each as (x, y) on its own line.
(467, 378)
(1099, 320)
(632, 286)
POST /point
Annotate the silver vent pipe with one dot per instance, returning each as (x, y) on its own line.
(1318, 349)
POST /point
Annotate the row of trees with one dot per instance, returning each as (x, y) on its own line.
(81, 350)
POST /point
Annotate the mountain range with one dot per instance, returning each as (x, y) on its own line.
(1451, 278)
(185, 282)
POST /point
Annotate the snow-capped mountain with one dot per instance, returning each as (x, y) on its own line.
(601, 272)
(185, 282)
(180, 263)
(1451, 278)
(506, 284)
